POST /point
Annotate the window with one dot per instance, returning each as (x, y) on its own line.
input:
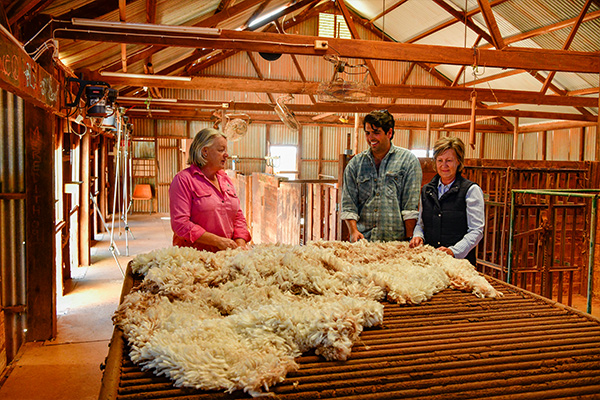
(422, 153)
(333, 26)
(283, 159)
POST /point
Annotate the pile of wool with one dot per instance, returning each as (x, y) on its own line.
(237, 319)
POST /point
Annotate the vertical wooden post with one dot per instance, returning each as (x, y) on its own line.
(428, 129)
(320, 162)
(582, 143)
(299, 154)
(356, 133)
(597, 152)
(482, 146)
(39, 224)
(544, 144)
(102, 182)
(515, 138)
(84, 204)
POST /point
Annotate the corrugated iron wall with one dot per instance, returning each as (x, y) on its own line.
(12, 220)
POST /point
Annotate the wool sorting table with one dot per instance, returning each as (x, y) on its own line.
(454, 346)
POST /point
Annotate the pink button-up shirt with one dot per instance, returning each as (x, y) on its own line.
(197, 206)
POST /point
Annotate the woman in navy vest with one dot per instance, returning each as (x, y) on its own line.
(451, 214)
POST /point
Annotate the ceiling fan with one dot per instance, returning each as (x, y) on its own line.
(338, 89)
(236, 126)
(286, 115)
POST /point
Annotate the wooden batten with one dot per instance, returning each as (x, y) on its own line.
(39, 248)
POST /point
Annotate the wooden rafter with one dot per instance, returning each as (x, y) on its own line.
(525, 58)
(384, 90)
(256, 14)
(545, 29)
(450, 23)
(188, 108)
(355, 35)
(301, 17)
(387, 11)
(490, 20)
(23, 7)
(123, 18)
(568, 42)
(223, 5)
(295, 61)
(464, 18)
(259, 73)
(91, 10)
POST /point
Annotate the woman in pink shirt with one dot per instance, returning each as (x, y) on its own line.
(205, 210)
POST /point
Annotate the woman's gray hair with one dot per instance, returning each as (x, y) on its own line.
(445, 143)
(205, 138)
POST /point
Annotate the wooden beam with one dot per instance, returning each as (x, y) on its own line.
(583, 92)
(39, 224)
(450, 23)
(545, 29)
(554, 125)
(568, 42)
(296, 63)
(490, 21)
(123, 18)
(263, 4)
(20, 75)
(400, 91)
(386, 11)
(24, 7)
(355, 35)
(520, 58)
(260, 75)
(597, 152)
(465, 19)
(191, 107)
(515, 138)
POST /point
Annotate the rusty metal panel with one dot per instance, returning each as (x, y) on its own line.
(280, 134)
(498, 146)
(334, 139)
(12, 222)
(309, 170)
(168, 162)
(167, 127)
(143, 127)
(310, 142)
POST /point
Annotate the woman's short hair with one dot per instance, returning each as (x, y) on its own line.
(445, 143)
(205, 138)
(380, 119)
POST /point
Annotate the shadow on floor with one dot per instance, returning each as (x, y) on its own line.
(68, 367)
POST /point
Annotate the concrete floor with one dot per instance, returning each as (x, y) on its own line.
(68, 367)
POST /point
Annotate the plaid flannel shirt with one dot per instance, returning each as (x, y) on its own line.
(381, 200)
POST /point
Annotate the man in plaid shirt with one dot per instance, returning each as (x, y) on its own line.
(380, 195)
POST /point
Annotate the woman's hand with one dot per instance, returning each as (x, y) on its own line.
(416, 241)
(223, 243)
(446, 250)
(241, 244)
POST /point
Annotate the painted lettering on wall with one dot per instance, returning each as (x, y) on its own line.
(23, 76)
(36, 187)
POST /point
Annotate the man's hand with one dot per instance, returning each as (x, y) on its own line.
(356, 236)
(415, 242)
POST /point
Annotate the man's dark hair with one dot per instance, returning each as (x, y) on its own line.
(380, 119)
